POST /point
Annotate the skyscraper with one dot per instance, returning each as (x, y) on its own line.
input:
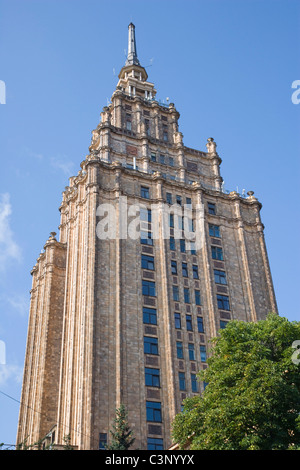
(153, 258)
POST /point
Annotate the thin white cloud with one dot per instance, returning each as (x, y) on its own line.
(10, 372)
(66, 166)
(20, 303)
(9, 249)
(30, 153)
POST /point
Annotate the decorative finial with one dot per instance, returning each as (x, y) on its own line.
(132, 52)
(211, 145)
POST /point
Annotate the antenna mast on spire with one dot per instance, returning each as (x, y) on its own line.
(132, 51)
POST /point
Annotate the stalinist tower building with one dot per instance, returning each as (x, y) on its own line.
(152, 259)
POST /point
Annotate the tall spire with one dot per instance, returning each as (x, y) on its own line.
(132, 53)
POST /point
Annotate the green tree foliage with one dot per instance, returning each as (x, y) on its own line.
(252, 400)
(122, 437)
(67, 443)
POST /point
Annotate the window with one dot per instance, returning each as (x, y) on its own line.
(203, 353)
(179, 349)
(189, 201)
(189, 325)
(150, 345)
(153, 157)
(128, 121)
(171, 220)
(149, 316)
(172, 243)
(195, 272)
(165, 136)
(148, 288)
(211, 208)
(162, 159)
(184, 270)
(102, 440)
(223, 302)
(174, 267)
(154, 443)
(148, 262)
(171, 161)
(147, 127)
(220, 277)
(200, 325)
(145, 192)
(145, 215)
(197, 297)
(194, 383)
(191, 225)
(152, 377)
(153, 409)
(214, 231)
(191, 352)
(178, 200)
(146, 238)
(193, 247)
(169, 198)
(186, 295)
(181, 376)
(217, 253)
(176, 293)
(223, 324)
(182, 245)
(177, 320)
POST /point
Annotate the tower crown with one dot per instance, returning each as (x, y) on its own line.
(133, 77)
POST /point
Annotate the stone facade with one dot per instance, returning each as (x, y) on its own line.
(122, 320)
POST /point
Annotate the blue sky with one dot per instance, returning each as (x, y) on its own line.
(228, 65)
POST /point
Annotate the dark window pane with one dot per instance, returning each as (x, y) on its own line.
(149, 316)
(214, 231)
(191, 352)
(211, 208)
(102, 441)
(154, 443)
(195, 272)
(186, 295)
(179, 349)
(197, 297)
(177, 320)
(220, 277)
(172, 243)
(200, 324)
(150, 345)
(217, 253)
(152, 377)
(176, 293)
(184, 270)
(148, 288)
(181, 376)
(194, 383)
(148, 262)
(223, 302)
(169, 198)
(145, 192)
(203, 353)
(189, 325)
(153, 410)
(174, 267)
